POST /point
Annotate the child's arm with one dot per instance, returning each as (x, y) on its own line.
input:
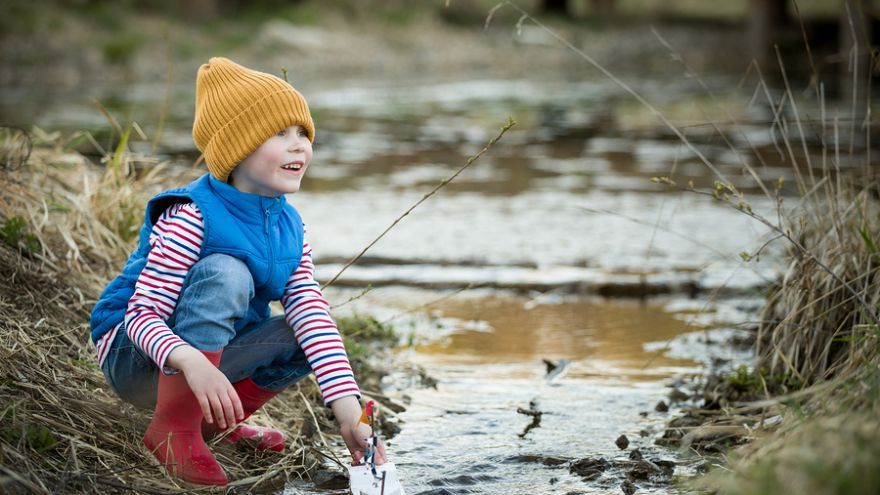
(175, 241)
(308, 314)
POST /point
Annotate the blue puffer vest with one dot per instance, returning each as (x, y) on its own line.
(266, 233)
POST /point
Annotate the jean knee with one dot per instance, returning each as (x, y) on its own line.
(230, 278)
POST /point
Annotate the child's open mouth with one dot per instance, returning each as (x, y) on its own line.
(293, 166)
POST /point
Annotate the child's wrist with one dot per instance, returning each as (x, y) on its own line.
(183, 357)
(347, 410)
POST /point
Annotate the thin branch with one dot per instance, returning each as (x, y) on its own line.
(801, 249)
(353, 298)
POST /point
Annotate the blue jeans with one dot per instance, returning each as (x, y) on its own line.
(215, 294)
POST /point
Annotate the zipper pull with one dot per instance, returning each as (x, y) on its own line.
(266, 222)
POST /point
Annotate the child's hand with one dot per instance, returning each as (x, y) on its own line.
(347, 411)
(212, 389)
(356, 439)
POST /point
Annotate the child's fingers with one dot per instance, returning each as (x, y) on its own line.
(228, 408)
(381, 457)
(217, 406)
(206, 409)
(236, 404)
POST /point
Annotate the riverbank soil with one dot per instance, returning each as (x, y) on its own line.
(62, 430)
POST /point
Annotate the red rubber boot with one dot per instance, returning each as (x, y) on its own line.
(175, 435)
(252, 397)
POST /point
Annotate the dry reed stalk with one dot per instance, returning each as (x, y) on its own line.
(506, 127)
(813, 326)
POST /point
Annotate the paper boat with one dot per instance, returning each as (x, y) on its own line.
(385, 482)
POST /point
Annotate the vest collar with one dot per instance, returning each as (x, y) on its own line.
(246, 207)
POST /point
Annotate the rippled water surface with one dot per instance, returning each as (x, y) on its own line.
(558, 233)
(486, 351)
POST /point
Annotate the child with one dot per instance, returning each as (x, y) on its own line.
(185, 329)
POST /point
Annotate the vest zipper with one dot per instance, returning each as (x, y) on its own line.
(271, 249)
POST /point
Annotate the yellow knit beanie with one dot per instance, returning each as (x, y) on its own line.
(237, 109)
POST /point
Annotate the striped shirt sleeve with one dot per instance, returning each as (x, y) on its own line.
(176, 240)
(308, 314)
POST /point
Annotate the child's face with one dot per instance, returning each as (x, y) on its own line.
(277, 166)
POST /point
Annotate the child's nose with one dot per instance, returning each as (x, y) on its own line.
(296, 143)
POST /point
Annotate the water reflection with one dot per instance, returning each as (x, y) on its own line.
(512, 330)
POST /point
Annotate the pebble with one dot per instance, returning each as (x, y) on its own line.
(643, 469)
(588, 468)
(622, 442)
(661, 407)
(677, 395)
(628, 487)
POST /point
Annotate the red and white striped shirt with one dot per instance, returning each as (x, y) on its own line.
(176, 241)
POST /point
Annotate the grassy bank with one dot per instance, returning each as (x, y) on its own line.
(827, 443)
(818, 337)
(66, 227)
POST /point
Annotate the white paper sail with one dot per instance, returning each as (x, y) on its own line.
(364, 483)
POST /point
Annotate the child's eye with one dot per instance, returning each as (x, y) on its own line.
(281, 133)
(303, 133)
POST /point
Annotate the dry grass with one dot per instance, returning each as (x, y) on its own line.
(813, 325)
(827, 444)
(61, 429)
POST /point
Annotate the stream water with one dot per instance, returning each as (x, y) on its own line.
(571, 254)
(486, 351)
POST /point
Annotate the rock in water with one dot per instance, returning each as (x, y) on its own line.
(678, 396)
(661, 407)
(628, 487)
(622, 442)
(644, 469)
(589, 469)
